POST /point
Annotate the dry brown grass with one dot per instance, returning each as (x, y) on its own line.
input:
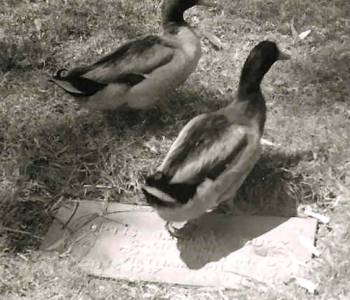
(49, 150)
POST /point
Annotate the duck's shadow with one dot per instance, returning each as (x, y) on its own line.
(269, 190)
(213, 236)
(182, 104)
(275, 186)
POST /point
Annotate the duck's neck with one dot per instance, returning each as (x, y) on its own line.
(250, 99)
(249, 83)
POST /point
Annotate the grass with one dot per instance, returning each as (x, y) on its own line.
(51, 151)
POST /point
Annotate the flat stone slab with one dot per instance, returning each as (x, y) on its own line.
(130, 242)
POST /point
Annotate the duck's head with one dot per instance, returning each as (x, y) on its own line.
(173, 10)
(259, 62)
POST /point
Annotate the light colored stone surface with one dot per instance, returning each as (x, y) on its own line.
(221, 250)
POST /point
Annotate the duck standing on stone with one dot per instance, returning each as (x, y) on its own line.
(142, 72)
(214, 152)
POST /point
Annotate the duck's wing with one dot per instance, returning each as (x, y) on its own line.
(78, 85)
(140, 56)
(203, 149)
(129, 64)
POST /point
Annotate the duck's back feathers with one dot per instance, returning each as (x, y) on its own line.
(194, 136)
(141, 56)
(128, 65)
(203, 149)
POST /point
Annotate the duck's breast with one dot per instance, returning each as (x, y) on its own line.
(161, 81)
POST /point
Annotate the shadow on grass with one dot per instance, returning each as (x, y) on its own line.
(183, 105)
(72, 156)
(22, 224)
(274, 187)
(54, 163)
(72, 159)
(214, 238)
(271, 189)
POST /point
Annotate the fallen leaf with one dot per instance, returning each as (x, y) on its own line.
(304, 34)
(268, 143)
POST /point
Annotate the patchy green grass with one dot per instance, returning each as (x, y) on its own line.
(51, 151)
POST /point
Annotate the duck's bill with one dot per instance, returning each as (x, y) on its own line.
(210, 3)
(283, 56)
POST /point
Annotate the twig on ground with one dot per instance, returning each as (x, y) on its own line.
(72, 215)
(20, 232)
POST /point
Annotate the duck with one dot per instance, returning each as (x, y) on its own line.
(140, 73)
(215, 151)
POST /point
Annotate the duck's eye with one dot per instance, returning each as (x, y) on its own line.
(64, 73)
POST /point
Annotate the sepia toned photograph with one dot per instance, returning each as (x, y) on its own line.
(174, 149)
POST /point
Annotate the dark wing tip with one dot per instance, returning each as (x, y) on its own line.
(155, 179)
(130, 79)
(153, 200)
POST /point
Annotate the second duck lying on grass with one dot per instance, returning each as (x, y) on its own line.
(142, 72)
(214, 152)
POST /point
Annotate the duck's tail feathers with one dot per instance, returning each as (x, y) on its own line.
(160, 192)
(76, 85)
(156, 197)
(154, 191)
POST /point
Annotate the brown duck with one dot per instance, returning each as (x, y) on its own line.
(214, 152)
(142, 72)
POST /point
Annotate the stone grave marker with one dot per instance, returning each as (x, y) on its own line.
(130, 242)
